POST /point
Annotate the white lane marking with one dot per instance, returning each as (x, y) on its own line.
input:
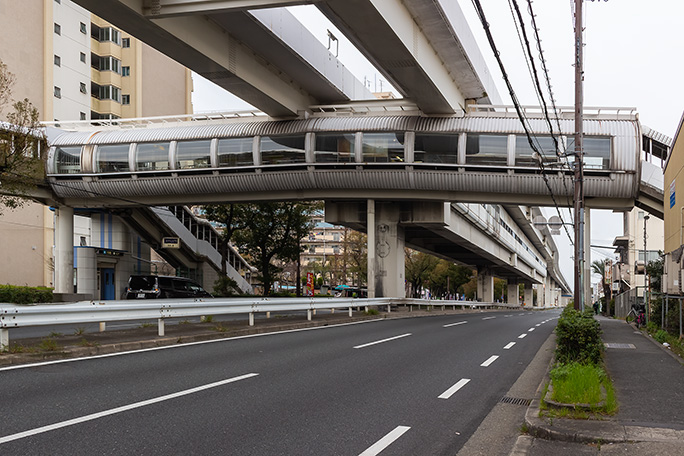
(509, 345)
(450, 392)
(538, 324)
(489, 361)
(454, 324)
(488, 318)
(189, 344)
(383, 340)
(386, 441)
(522, 336)
(508, 315)
(116, 410)
(530, 330)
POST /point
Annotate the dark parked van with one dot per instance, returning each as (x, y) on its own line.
(152, 286)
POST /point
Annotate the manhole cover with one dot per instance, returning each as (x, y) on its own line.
(627, 346)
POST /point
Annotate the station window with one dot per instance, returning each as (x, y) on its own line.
(383, 147)
(152, 157)
(436, 149)
(526, 156)
(235, 152)
(68, 160)
(487, 150)
(193, 154)
(112, 158)
(597, 153)
(279, 150)
(335, 148)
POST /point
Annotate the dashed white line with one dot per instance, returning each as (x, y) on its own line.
(383, 340)
(386, 441)
(522, 336)
(489, 361)
(538, 325)
(454, 324)
(509, 345)
(530, 330)
(450, 392)
(488, 318)
(116, 410)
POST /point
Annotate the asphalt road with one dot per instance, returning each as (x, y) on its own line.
(417, 386)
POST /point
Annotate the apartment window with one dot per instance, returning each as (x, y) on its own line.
(106, 63)
(84, 29)
(58, 1)
(106, 92)
(58, 60)
(105, 34)
(83, 57)
(83, 116)
(125, 99)
(83, 88)
(58, 92)
(125, 71)
(126, 42)
(58, 29)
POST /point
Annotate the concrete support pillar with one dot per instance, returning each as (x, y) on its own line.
(512, 293)
(528, 295)
(370, 217)
(64, 250)
(485, 286)
(547, 291)
(389, 252)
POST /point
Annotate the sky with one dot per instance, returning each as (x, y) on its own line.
(632, 58)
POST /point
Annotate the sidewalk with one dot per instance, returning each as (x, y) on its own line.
(649, 386)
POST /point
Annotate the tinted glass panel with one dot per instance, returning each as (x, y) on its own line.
(525, 155)
(335, 148)
(597, 153)
(487, 150)
(68, 160)
(152, 156)
(436, 149)
(113, 158)
(383, 147)
(276, 150)
(142, 282)
(193, 154)
(235, 152)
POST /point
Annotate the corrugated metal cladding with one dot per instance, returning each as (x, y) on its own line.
(619, 186)
(382, 123)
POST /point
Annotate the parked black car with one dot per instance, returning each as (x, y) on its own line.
(152, 286)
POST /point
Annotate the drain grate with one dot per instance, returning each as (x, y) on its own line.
(624, 346)
(516, 401)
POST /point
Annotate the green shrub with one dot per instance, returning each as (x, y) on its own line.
(578, 338)
(660, 336)
(24, 295)
(225, 286)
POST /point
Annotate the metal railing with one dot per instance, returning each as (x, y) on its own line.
(14, 316)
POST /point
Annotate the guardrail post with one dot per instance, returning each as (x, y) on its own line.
(389, 308)
(442, 308)
(103, 326)
(332, 311)
(411, 308)
(4, 338)
(160, 326)
(350, 311)
(251, 319)
(314, 311)
(308, 314)
(268, 314)
(366, 309)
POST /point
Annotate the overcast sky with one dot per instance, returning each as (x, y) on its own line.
(632, 55)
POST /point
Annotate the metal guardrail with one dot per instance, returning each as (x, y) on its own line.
(13, 316)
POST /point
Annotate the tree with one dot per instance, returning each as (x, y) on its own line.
(22, 143)
(272, 231)
(231, 217)
(598, 267)
(419, 267)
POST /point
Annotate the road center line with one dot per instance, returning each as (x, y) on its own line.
(509, 345)
(94, 416)
(538, 325)
(454, 324)
(522, 336)
(450, 392)
(489, 361)
(383, 340)
(488, 318)
(530, 330)
(386, 441)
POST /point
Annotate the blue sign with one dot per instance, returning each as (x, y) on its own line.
(672, 194)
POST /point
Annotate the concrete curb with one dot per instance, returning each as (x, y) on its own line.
(662, 347)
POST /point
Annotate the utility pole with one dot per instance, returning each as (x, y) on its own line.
(579, 173)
